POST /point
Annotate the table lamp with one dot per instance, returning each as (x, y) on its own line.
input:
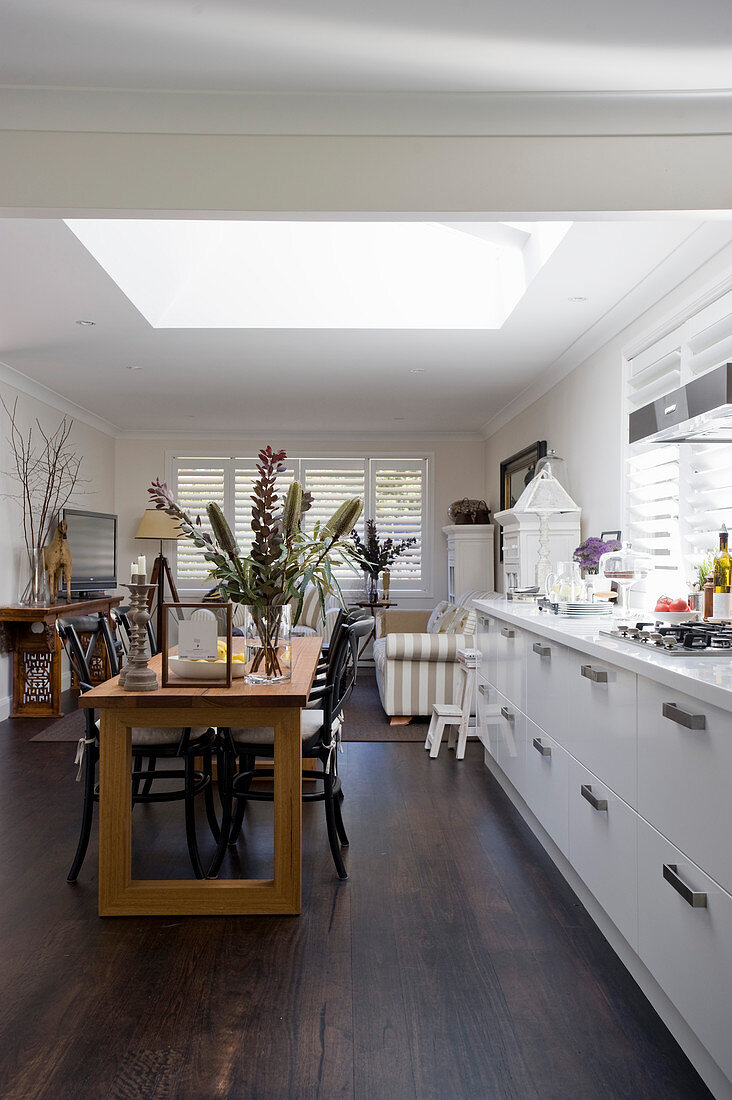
(158, 525)
(544, 496)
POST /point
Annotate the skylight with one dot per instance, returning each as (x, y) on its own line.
(318, 274)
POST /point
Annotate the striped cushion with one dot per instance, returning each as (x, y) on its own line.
(433, 623)
(423, 647)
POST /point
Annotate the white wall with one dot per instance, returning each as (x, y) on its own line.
(582, 417)
(97, 495)
(458, 471)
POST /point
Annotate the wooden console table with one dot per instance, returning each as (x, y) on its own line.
(30, 634)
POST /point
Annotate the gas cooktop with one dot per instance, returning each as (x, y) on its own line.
(690, 639)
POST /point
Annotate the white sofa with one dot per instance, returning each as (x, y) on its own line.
(415, 654)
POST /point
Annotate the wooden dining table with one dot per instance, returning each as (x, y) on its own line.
(242, 706)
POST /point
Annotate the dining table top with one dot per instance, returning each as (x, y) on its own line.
(290, 693)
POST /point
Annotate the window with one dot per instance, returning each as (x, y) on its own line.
(394, 491)
(678, 495)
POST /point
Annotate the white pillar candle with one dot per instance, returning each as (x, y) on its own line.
(133, 573)
(142, 566)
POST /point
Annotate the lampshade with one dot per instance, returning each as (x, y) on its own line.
(544, 496)
(156, 524)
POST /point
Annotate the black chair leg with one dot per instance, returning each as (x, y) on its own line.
(225, 769)
(208, 798)
(238, 821)
(342, 835)
(332, 830)
(190, 806)
(151, 762)
(87, 813)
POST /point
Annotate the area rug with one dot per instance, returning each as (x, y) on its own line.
(365, 719)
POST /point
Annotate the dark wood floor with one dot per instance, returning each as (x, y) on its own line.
(455, 962)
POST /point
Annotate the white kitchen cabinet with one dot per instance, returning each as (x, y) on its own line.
(511, 738)
(486, 641)
(510, 646)
(602, 847)
(547, 694)
(546, 783)
(686, 944)
(602, 733)
(487, 713)
(469, 558)
(684, 775)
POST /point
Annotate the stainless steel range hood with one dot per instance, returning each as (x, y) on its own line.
(699, 412)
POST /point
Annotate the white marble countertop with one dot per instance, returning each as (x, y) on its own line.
(708, 679)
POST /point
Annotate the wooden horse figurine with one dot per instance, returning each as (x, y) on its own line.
(57, 557)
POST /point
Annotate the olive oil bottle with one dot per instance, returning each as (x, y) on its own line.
(722, 605)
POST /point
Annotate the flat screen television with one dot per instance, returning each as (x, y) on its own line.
(92, 538)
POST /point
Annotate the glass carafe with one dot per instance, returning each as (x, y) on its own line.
(625, 567)
(566, 585)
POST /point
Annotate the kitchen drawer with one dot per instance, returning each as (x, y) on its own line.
(601, 730)
(487, 712)
(546, 785)
(510, 648)
(547, 694)
(684, 775)
(511, 743)
(487, 642)
(686, 947)
(602, 847)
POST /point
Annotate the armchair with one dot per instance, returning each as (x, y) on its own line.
(415, 654)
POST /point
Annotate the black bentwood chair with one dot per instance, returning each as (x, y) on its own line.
(320, 730)
(147, 744)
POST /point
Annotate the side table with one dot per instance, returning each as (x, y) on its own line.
(380, 605)
(30, 634)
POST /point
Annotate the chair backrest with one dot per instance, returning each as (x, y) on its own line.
(79, 657)
(344, 678)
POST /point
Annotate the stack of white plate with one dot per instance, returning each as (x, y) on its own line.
(580, 609)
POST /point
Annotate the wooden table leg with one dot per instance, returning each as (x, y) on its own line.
(121, 895)
(115, 811)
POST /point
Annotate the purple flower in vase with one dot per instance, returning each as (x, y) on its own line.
(589, 552)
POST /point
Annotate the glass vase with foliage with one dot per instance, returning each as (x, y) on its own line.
(284, 559)
(375, 555)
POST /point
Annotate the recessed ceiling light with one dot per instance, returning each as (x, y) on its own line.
(416, 370)
(86, 324)
(400, 418)
(134, 366)
(577, 298)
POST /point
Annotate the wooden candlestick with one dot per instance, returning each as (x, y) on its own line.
(136, 676)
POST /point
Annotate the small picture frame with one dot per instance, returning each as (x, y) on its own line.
(177, 681)
(611, 536)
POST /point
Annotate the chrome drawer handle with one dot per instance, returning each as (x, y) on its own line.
(508, 633)
(597, 675)
(506, 713)
(697, 899)
(542, 650)
(545, 750)
(690, 721)
(594, 801)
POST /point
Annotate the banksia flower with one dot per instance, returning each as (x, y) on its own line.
(292, 510)
(345, 518)
(221, 529)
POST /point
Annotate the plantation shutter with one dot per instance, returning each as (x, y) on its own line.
(198, 481)
(678, 495)
(331, 481)
(398, 487)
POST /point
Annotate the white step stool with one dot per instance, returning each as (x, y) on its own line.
(455, 715)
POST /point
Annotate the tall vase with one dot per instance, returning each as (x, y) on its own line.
(34, 589)
(371, 587)
(268, 643)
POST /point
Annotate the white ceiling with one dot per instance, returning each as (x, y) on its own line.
(387, 45)
(224, 380)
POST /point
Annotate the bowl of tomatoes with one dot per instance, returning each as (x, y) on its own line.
(673, 611)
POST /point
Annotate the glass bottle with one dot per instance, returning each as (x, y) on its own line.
(722, 602)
